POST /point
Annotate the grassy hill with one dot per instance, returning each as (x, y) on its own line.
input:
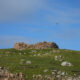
(41, 62)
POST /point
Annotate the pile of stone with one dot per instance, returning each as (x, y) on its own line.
(6, 75)
(43, 77)
(59, 58)
(45, 45)
(39, 45)
(56, 75)
(20, 46)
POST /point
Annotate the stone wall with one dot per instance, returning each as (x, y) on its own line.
(39, 45)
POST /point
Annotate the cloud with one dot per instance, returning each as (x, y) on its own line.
(11, 9)
(26, 10)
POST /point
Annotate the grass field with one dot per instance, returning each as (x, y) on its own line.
(36, 62)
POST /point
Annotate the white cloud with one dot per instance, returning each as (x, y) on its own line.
(11, 9)
(15, 10)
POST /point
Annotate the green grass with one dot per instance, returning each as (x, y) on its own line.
(11, 58)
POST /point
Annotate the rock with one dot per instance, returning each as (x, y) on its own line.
(46, 70)
(28, 62)
(58, 58)
(39, 54)
(20, 46)
(6, 75)
(45, 45)
(65, 63)
(39, 45)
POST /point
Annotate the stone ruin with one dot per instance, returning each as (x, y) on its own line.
(20, 46)
(39, 45)
(6, 75)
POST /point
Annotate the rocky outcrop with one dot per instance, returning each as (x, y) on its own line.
(44, 45)
(6, 75)
(20, 46)
(39, 45)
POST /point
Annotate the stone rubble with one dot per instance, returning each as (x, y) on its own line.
(6, 75)
(39, 45)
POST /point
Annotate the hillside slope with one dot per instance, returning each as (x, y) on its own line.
(35, 61)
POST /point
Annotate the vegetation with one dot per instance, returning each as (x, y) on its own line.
(36, 61)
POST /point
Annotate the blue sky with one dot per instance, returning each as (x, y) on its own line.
(31, 21)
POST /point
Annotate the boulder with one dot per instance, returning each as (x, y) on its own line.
(65, 63)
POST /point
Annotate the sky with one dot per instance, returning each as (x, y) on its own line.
(32, 21)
